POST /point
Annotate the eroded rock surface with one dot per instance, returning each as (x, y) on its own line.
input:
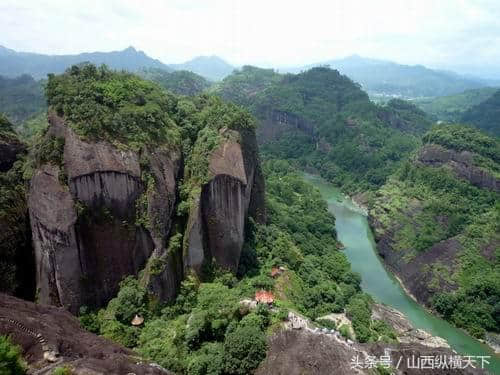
(107, 212)
(234, 191)
(85, 219)
(462, 163)
(72, 346)
(303, 352)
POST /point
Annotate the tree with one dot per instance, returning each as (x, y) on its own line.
(244, 349)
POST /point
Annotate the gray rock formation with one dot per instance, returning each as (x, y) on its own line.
(85, 233)
(107, 212)
(235, 190)
(462, 163)
(41, 329)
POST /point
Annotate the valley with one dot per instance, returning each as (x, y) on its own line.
(200, 218)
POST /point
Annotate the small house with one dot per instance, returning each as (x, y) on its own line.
(263, 296)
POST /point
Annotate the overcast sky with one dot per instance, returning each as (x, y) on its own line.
(263, 32)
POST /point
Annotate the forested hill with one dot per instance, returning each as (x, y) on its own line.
(180, 82)
(321, 119)
(485, 115)
(380, 77)
(14, 63)
(451, 108)
(21, 97)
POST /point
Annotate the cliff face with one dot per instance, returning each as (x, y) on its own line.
(85, 220)
(414, 272)
(279, 122)
(104, 213)
(462, 163)
(297, 352)
(235, 190)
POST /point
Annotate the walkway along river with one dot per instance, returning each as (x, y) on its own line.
(354, 232)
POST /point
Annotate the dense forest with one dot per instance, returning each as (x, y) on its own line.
(485, 115)
(348, 139)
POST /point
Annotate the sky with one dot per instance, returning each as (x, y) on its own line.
(436, 33)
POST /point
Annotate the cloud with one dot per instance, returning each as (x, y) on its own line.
(273, 33)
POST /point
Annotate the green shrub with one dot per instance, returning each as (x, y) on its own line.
(327, 323)
(208, 360)
(66, 370)
(11, 362)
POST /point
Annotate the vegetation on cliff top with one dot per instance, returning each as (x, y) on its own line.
(424, 205)
(119, 107)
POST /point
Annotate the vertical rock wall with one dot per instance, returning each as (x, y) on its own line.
(85, 233)
(216, 226)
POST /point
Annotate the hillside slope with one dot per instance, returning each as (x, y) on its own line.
(485, 115)
(436, 222)
(180, 82)
(450, 108)
(21, 98)
(323, 120)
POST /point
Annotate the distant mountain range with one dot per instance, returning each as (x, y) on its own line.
(13, 63)
(377, 77)
(386, 78)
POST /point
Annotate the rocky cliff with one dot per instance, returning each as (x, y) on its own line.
(51, 337)
(104, 194)
(462, 163)
(84, 219)
(436, 221)
(275, 123)
(234, 191)
(309, 350)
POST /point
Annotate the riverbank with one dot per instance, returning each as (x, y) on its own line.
(354, 232)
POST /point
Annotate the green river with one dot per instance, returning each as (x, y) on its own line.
(354, 232)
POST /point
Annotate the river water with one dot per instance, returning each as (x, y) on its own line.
(354, 232)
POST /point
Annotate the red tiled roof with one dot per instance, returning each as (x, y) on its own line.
(264, 296)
